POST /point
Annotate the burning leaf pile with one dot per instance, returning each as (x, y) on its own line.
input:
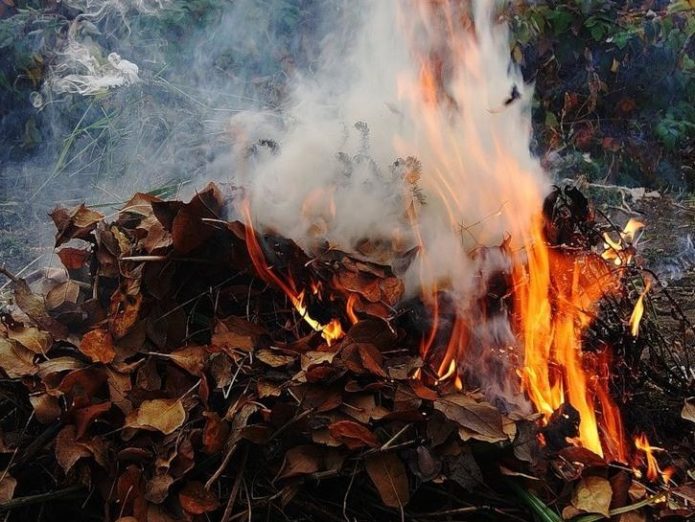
(186, 367)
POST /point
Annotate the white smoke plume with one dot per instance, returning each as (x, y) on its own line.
(478, 177)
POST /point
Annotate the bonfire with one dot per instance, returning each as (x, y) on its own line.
(272, 349)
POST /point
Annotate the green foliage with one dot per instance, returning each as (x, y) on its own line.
(614, 81)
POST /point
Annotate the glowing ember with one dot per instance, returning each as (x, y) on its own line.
(638, 311)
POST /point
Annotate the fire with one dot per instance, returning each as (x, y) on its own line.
(332, 331)
(653, 470)
(638, 311)
(618, 252)
(468, 146)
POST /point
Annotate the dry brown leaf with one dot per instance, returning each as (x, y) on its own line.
(98, 346)
(16, 360)
(35, 307)
(66, 292)
(124, 312)
(301, 460)
(73, 258)
(688, 411)
(84, 416)
(363, 408)
(313, 358)
(7, 487)
(119, 387)
(477, 420)
(165, 415)
(215, 433)
(76, 223)
(389, 476)
(371, 359)
(268, 389)
(352, 434)
(192, 359)
(157, 488)
(46, 407)
(31, 338)
(68, 451)
(196, 500)
(273, 358)
(593, 495)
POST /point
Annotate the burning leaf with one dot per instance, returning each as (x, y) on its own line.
(477, 420)
(98, 346)
(593, 495)
(389, 476)
(197, 500)
(165, 415)
(352, 434)
(73, 258)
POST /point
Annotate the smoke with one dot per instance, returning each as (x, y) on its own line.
(412, 79)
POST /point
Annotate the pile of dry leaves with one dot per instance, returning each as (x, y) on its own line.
(160, 377)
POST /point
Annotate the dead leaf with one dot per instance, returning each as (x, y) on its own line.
(477, 420)
(98, 346)
(157, 488)
(84, 416)
(31, 338)
(76, 223)
(352, 434)
(192, 359)
(273, 358)
(688, 411)
(124, 312)
(312, 358)
(46, 407)
(215, 433)
(66, 292)
(300, 460)
(7, 487)
(68, 451)
(35, 307)
(593, 495)
(165, 415)
(371, 359)
(196, 500)
(16, 360)
(73, 258)
(389, 476)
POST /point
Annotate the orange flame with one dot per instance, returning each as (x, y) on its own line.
(642, 443)
(617, 251)
(330, 332)
(638, 311)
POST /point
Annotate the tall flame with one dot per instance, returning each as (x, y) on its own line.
(638, 311)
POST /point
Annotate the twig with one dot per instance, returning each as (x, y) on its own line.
(235, 488)
(39, 499)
